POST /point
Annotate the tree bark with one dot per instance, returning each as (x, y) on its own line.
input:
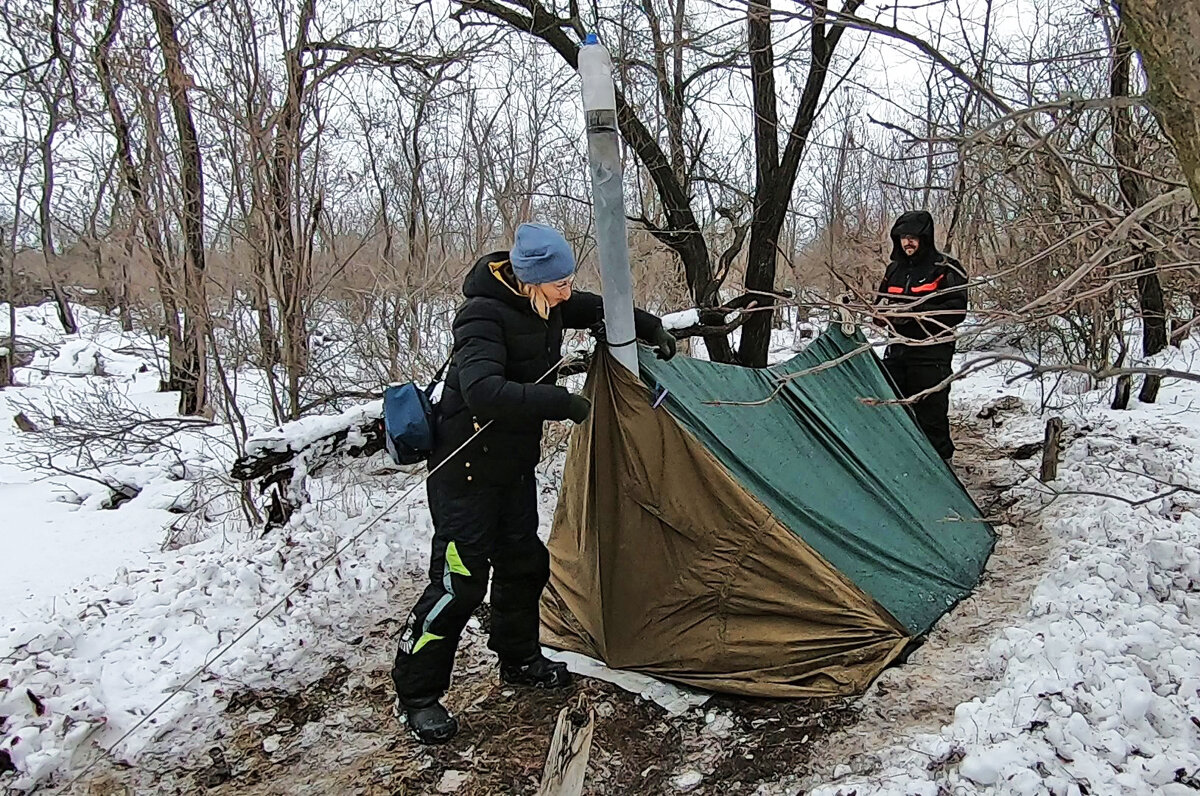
(1165, 32)
(9, 360)
(192, 378)
(146, 222)
(1050, 449)
(1134, 194)
(53, 101)
(291, 273)
(774, 176)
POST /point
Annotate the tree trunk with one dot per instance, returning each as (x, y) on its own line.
(1051, 447)
(775, 176)
(1134, 194)
(1122, 392)
(1165, 32)
(9, 360)
(767, 220)
(290, 278)
(193, 366)
(45, 210)
(147, 224)
(123, 311)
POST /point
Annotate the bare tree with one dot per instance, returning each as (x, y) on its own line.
(778, 147)
(192, 378)
(41, 64)
(1166, 34)
(144, 219)
(1134, 194)
(9, 358)
(53, 98)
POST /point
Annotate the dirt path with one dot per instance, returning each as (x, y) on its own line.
(338, 736)
(949, 668)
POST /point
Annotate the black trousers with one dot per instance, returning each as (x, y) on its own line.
(916, 374)
(479, 530)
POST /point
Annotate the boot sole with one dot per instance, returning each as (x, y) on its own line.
(432, 741)
(402, 718)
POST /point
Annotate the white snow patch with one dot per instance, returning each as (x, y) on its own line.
(301, 433)
(681, 320)
(674, 699)
(1099, 684)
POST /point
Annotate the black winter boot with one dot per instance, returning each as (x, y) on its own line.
(540, 672)
(432, 723)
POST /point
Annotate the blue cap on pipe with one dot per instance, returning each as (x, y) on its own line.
(591, 39)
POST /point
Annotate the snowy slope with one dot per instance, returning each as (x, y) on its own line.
(98, 626)
(53, 537)
(1097, 688)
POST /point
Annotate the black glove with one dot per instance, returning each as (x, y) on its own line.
(578, 408)
(596, 330)
(664, 343)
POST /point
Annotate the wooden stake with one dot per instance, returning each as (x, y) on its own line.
(1050, 449)
(566, 764)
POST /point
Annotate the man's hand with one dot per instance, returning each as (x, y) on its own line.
(664, 344)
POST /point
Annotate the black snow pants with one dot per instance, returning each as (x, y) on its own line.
(916, 373)
(478, 529)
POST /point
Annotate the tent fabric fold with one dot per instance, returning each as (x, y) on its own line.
(791, 548)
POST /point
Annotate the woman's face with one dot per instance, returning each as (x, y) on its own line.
(557, 292)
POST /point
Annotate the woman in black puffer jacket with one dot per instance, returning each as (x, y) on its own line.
(507, 348)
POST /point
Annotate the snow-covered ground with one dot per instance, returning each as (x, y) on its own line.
(98, 623)
(53, 538)
(1096, 689)
(1093, 690)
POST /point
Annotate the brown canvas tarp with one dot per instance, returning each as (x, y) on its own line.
(662, 563)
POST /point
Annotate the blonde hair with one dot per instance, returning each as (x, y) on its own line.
(536, 294)
(537, 298)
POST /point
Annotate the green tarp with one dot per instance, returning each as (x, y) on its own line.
(859, 483)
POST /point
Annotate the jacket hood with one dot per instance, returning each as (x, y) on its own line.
(918, 224)
(481, 282)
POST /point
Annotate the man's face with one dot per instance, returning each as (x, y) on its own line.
(910, 244)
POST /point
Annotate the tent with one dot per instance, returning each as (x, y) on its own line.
(751, 533)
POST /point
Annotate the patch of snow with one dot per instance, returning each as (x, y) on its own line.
(674, 699)
(687, 780)
(98, 625)
(681, 320)
(1098, 686)
(452, 780)
(305, 431)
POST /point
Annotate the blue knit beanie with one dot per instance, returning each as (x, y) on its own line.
(540, 254)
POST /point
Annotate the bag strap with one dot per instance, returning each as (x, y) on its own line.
(438, 376)
(442, 370)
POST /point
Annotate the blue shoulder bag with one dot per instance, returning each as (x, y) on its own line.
(409, 420)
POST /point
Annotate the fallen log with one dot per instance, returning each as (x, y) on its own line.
(266, 457)
(306, 446)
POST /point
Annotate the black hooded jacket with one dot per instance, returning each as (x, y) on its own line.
(503, 368)
(930, 283)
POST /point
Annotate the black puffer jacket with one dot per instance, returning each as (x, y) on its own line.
(502, 349)
(930, 283)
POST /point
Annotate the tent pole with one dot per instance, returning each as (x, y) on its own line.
(608, 200)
